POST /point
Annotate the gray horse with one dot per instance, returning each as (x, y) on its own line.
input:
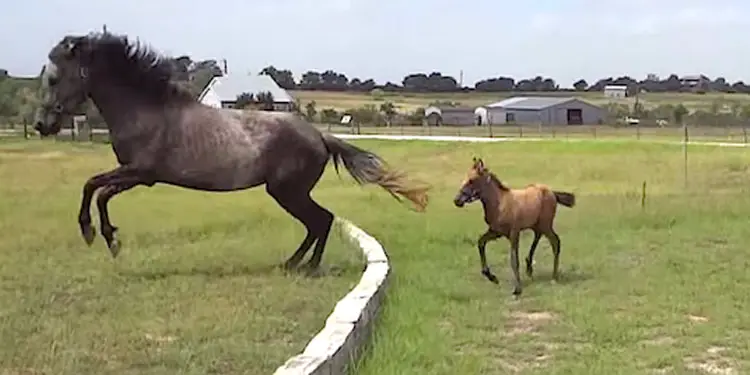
(161, 134)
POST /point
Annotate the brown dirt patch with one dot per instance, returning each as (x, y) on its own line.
(713, 362)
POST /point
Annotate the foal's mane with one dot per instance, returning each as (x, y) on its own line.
(496, 181)
(137, 66)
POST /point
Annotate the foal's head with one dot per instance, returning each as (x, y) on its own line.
(476, 178)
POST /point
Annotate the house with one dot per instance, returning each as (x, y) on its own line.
(544, 110)
(452, 116)
(222, 92)
(616, 91)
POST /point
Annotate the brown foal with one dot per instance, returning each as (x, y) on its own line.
(507, 212)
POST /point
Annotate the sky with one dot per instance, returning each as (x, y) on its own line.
(387, 39)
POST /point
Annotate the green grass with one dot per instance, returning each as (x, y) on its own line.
(194, 291)
(643, 291)
(663, 288)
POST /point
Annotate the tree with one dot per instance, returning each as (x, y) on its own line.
(329, 115)
(581, 85)
(244, 100)
(679, 114)
(264, 100)
(310, 111)
(389, 112)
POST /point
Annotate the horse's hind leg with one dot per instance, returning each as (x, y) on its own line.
(322, 227)
(293, 203)
(554, 241)
(514, 239)
(530, 257)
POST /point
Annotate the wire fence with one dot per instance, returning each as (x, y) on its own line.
(732, 134)
(729, 134)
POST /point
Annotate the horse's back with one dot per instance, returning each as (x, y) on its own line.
(535, 203)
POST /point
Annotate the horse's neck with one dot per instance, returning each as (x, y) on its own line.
(492, 200)
(115, 113)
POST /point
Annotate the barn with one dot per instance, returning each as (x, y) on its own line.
(222, 92)
(544, 110)
(451, 116)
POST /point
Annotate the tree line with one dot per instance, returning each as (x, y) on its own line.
(331, 80)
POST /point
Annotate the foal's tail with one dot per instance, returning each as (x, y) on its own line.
(565, 199)
(368, 168)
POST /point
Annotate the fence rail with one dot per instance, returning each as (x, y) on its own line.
(686, 133)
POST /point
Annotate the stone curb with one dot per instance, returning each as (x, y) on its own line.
(350, 325)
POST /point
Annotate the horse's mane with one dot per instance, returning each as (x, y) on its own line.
(496, 181)
(137, 66)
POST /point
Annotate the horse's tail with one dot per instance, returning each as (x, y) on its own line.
(564, 198)
(367, 168)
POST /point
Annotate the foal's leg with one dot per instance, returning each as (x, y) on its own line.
(514, 239)
(530, 257)
(488, 236)
(107, 229)
(554, 241)
(119, 175)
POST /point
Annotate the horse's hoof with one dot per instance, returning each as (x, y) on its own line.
(288, 266)
(313, 271)
(114, 247)
(89, 233)
(516, 293)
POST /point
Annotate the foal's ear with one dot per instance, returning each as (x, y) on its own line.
(478, 164)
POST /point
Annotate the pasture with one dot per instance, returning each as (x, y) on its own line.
(659, 289)
(408, 102)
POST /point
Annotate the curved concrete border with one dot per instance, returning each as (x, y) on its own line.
(349, 326)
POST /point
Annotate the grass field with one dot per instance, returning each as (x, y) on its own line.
(407, 102)
(194, 291)
(654, 290)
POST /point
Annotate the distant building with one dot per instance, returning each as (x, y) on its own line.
(222, 92)
(544, 110)
(452, 116)
(696, 82)
(616, 91)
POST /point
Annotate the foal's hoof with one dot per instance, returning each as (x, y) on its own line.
(89, 233)
(114, 247)
(490, 276)
(516, 293)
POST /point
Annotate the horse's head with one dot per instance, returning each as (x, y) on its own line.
(63, 86)
(471, 186)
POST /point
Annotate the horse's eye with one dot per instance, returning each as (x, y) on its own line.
(51, 81)
(59, 107)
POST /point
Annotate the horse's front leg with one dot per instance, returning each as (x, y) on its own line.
(107, 229)
(89, 188)
(488, 236)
